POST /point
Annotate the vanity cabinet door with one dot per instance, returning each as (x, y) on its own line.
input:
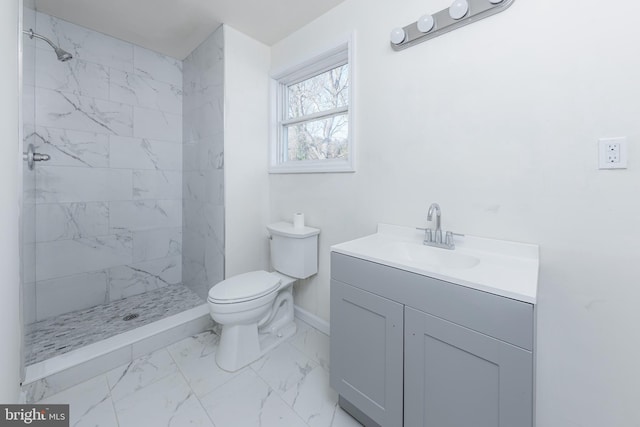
(456, 377)
(367, 352)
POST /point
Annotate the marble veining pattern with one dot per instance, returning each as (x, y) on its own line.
(64, 221)
(58, 109)
(203, 165)
(63, 184)
(157, 67)
(157, 184)
(144, 154)
(76, 76)
(70, 331)
(155, 124)
(92, 403)
(133, 89)
(129, 280)
(180, 385)
(157, 243)
(145, 214)
(61, 258)
(111, 120)
(86, 44)
(73, 148)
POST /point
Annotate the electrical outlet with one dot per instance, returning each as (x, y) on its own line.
(612, 153)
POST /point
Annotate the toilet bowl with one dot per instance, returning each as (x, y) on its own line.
(255, 309)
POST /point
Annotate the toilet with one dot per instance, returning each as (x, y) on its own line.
(255, 309)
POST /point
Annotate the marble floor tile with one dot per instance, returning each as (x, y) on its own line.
(90, 403)
(247, 401)
(127, 379)
(312, 398)
(284, 368)
(196, 358)
(166, 402)
(313, 343)
(181, 385)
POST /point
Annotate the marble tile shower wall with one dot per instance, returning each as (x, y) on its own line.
(203, 166)
(109, 202)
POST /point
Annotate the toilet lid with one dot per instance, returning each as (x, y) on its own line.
(244, 287)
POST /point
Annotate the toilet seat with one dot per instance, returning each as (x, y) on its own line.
(244, 287)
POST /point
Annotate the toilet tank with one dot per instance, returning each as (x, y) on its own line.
(294, 251)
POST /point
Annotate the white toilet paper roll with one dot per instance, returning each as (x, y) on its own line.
(298, 220)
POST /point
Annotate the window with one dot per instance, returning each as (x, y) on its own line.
(313, 110)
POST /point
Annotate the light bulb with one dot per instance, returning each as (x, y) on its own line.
(398, 35)
(459, 9)
(426, 23)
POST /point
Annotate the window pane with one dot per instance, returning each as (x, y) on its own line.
(320, 93)
(318, 140)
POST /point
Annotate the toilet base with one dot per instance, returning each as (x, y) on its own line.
(241, 345)
(238, 347)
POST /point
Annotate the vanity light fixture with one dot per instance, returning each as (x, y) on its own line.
(426, 23)
(458, 9)
(398, 35)
(459, 14)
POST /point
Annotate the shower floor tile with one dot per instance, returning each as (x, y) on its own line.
(70, 331)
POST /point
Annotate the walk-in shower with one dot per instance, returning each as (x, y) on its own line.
(123, 226)
(62, 54)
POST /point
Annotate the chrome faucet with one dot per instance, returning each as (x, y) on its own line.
(434, 237)
(436, 207)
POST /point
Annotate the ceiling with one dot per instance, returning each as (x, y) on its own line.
(176, 27)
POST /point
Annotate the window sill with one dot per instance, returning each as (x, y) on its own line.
(313, 167)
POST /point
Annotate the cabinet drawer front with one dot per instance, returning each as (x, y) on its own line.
(503, 318)
(459, 377)
(367, 352)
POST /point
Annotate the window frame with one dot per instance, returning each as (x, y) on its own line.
(336, 56)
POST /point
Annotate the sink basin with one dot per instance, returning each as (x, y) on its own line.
(509, 269)
(430, 256)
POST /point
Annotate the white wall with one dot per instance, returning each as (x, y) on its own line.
(10, 172)
(246, 82)
(498, 122)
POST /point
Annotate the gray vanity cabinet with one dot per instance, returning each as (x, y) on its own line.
(367, 343)
(456, 377)
(410, 350)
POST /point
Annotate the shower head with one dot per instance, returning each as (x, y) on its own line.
(62, 54)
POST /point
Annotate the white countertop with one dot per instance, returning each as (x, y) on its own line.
(508, 269)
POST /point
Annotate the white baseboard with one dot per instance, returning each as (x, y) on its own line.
(313, 320)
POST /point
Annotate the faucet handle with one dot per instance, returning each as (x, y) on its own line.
(428, 237)
(448, 240)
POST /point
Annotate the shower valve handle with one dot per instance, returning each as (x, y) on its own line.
(31, 156)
